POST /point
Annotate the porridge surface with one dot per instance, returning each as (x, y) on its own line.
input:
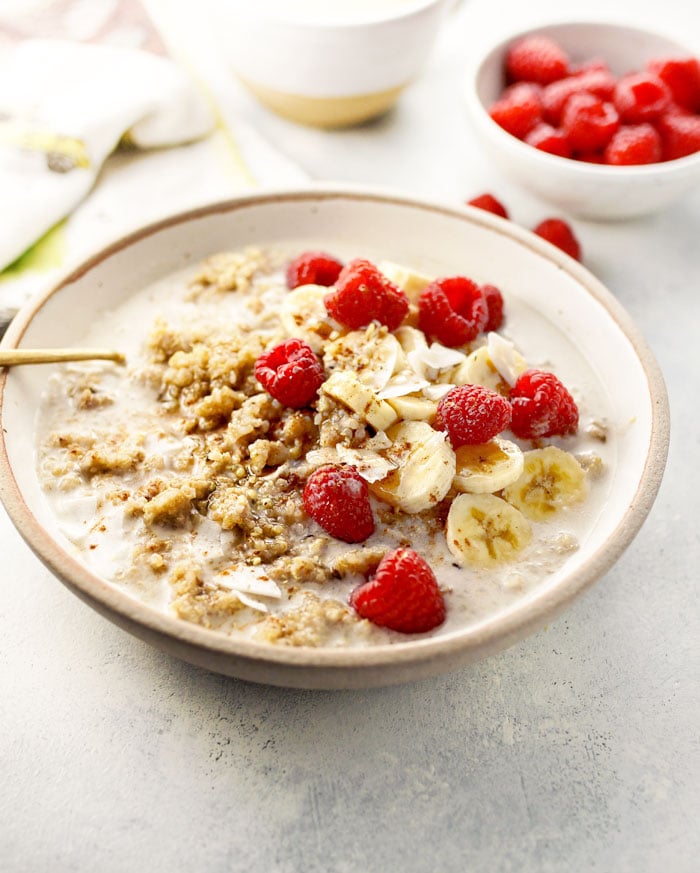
(179, 478)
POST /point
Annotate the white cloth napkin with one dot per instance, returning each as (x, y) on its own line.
(64, 107)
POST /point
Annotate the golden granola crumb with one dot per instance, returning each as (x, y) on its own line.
(315, 622)
(228, 271)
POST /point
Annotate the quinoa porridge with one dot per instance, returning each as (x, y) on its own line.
(181, 479)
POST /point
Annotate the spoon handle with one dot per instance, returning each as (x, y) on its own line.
(12, 357)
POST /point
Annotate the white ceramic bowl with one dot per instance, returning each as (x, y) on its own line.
(328, 64)
(551, 291)
(585, 190)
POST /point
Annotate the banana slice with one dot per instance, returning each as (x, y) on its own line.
(411, 339)
(488, 467)
(496, 365)
(551, 480)
(483, 530)
(413, 408)
(345, 386)
(425, 467)
(409, 281)
(373, 354)
(303, 315)
(478, 369)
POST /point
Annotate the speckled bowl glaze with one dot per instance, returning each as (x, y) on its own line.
(586, 190)
(431, 238)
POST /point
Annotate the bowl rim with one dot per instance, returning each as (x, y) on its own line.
(494, 632)
(319, 23)
(546, 160)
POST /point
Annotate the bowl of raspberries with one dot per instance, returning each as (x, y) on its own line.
(602, 120)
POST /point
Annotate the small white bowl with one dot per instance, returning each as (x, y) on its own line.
(328, 64)
(585, 190)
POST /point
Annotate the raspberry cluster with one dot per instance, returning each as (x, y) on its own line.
(586, 113)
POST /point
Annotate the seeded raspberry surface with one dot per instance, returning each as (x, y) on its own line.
(542, 407)
(472, 415)
(536, 59)
(338, 499)
(490, 204)
(313, 268)
(290, 372)
(402, 595)
(452, 310)
(364, 294)
(494, 305)
(634, 144)
(560, 234)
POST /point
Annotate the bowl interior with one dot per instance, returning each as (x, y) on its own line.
(548, 296)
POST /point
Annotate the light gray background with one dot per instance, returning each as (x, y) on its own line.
(575, 750)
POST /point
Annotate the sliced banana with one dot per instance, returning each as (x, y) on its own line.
(346, 387)
(425, 467)
(478, 369)
(303, 315)
(413, 408)
(483, 530)
(489, 467)
(551, 480)
(411, 339)
(496, 365)
(373, 354)
(409, 281)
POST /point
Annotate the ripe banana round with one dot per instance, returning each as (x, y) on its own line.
(489, 467)
(411, 408)
(478, 369)
(346, 387)
(409, 281)
(304, 316)
(551, 480)
(425, 467)
(483, 530)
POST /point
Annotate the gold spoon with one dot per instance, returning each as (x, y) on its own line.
(12, 357)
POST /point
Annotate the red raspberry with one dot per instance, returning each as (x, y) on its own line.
(536, 59)
(452, 310)
(591, 157)
(364, 294)
(338, 499)
(682, 77)
(472, 415)
(542, 407)
(634, 144)
(554, 97)
(641, 97)
(402, 595)
(490, 204)
(680, 135)
(494, 305)
(290, 372)
(589, 122)
(595, 65)
(560, 234)
(549, 139)
(519, 109)
(313, 268)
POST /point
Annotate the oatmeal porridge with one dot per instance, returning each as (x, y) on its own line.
(280, 433)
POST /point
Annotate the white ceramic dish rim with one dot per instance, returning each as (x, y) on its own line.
(544, 159)
(491, 634)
